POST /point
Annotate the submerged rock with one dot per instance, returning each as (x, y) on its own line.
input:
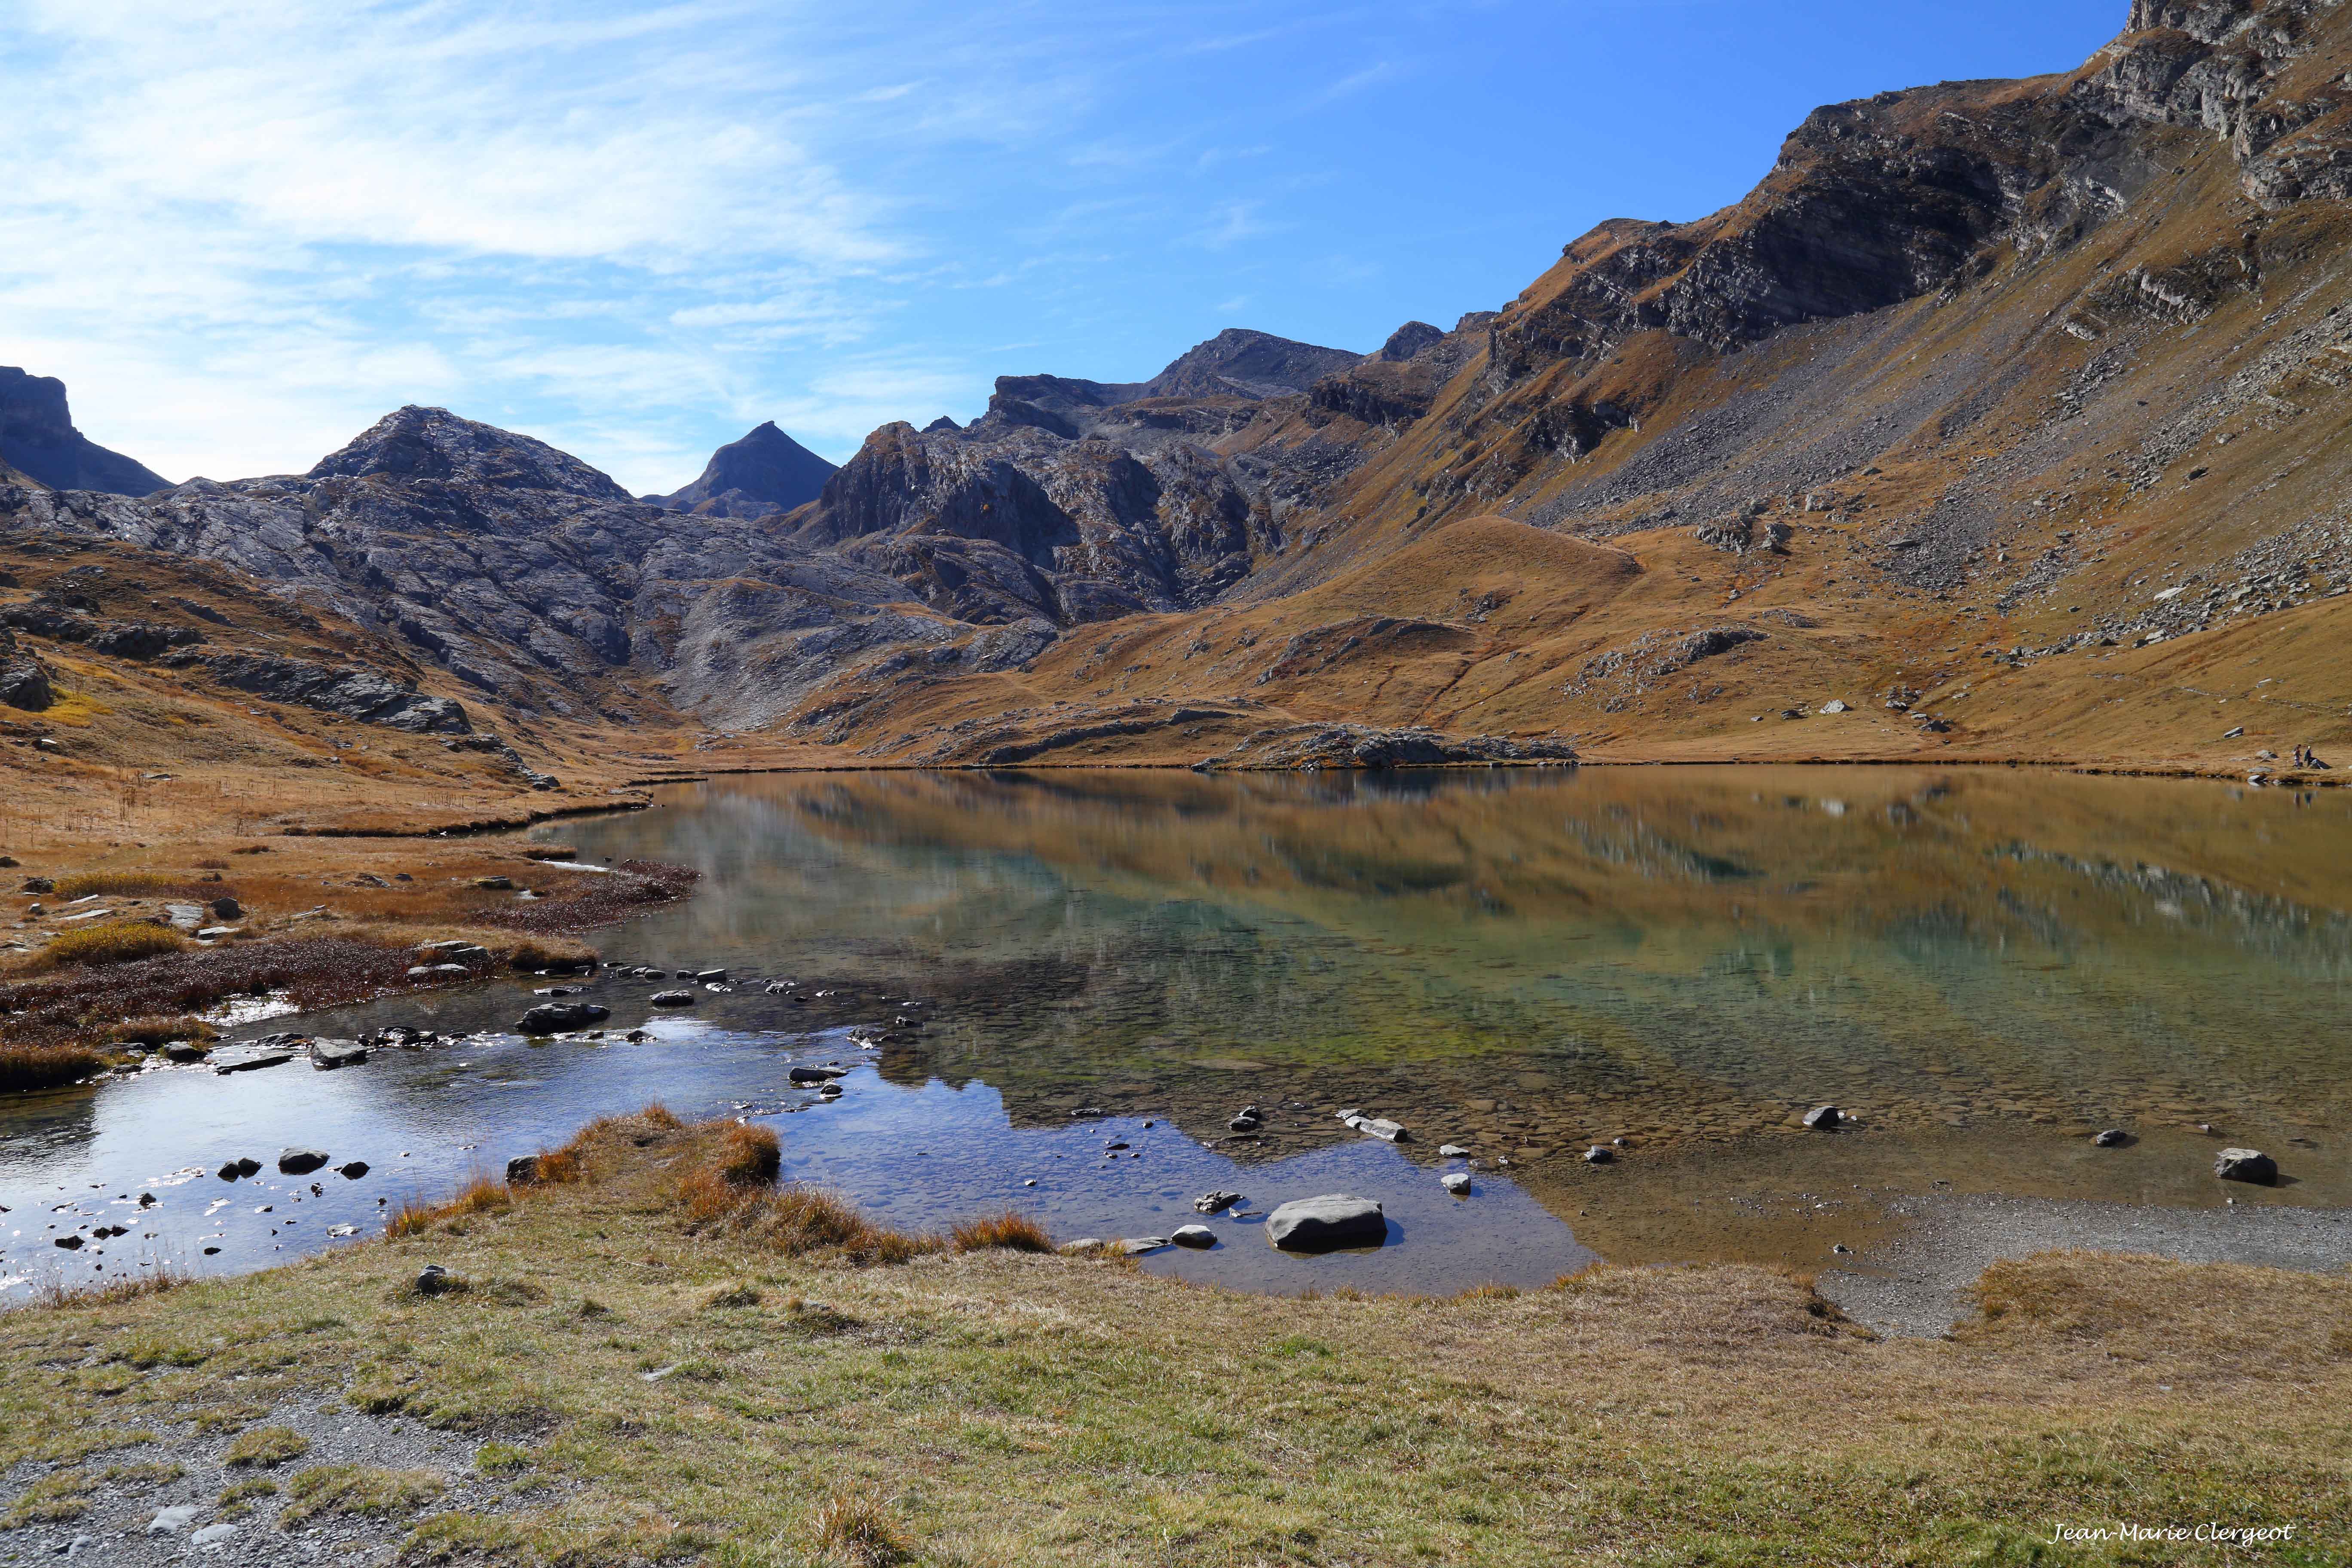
(328, 1055)
(254, 1064)
(1215, 1202)
(299, 1161)
(1455, 1182)
(1326, 1223)
(550, 1018)
(673, 999)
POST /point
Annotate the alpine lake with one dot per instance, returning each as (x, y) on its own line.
(1054, 992)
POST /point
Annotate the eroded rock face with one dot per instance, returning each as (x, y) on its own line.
(361, 694)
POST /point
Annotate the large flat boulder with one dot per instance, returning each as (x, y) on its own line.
(1327, 1223)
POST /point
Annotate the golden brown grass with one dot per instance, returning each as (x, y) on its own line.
(110, 942)
(1012, 1231)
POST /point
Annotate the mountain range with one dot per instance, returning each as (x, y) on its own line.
(2002, 417)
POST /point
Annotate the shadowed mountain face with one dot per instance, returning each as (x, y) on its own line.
(37, 438)
(2000, 415)
(766, 471)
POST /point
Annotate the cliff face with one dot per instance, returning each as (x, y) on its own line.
(37, 438)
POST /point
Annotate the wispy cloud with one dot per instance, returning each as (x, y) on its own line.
(243, 230)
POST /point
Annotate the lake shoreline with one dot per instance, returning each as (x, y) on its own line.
(628, 1364)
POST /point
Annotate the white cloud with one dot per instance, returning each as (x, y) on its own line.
(243, 231)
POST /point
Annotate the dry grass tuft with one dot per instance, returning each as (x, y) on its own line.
(45, 1067)
(113, 1293)
(661, 1116)
(267, 1447)
(360, 1489)
(141, 885)
(534, 952)
(749, 1156)
(157, 1028)
(1012, 1231)
(727, 1173)
(856, 1529)
(482, 1194)
(799, 1221)
(110, 942)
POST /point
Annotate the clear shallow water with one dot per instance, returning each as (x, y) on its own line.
(1985, 964)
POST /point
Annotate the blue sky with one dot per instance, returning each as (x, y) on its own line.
(243, 231)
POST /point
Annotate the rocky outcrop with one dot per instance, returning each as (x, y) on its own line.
(361, 694)
(37, 438)
(1886, 198)
(1367, 747)
(517, 568)
(765, 472)
(51, 617)
(24, 680)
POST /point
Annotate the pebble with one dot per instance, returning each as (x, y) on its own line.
(1823, 1118)
(1196, 1236)
(1455, 1182)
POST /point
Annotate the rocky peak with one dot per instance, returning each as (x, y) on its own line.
(38, 440)
(1239, 362)
(766, 471)
(1408, 340)
(1235, 364)
(434, 444)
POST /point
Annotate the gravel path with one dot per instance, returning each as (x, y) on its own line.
(1915, 1285)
